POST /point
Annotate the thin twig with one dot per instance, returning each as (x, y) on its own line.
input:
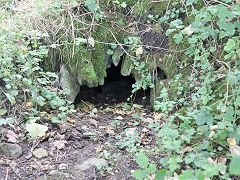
(73, 34)
(222, 3)
(6, 177)
(227, 93)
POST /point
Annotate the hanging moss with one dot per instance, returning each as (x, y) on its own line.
(82, 67)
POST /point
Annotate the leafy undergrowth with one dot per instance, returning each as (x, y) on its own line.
(195, 134)
(110, 132)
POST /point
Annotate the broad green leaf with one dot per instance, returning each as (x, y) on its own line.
(187, 175)
(211, 170)
(202, 90)
(160, 174)
(2, 112)
(229, 27)
(91, 4)
(142, 160)
(190, 2)
(234, 168)
(151, 169)
(204, 117)
(230, 45)
(178, 38)
(36, 130)
(232, 78)
(139, 174)
(173, 163)
(199, 175)
(55, 120)
(189, 158)
(169, 31)
(200, 161)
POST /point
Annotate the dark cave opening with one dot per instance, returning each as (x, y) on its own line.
(116, 89)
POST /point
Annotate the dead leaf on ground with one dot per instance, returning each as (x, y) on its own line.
(29, 104)
(189, 30)
(63, 166)
(235, 150)
(143, 136)
(91, 41)
(211, 134)
(158, 116)
(148, 120)
(145, 130)
(233, 147)
(194, 105)
(11, 137)
(188, 149)
(94, 110)
(64, 127)
(109, 130)
(93, 122)
(119, 118)
(231, 141)
(99, 149)
(127, 112)
(70, 120)
(58, 144)
(139, 51)
(130, 131)
(59, 136)
(210, 160)
(222, 160)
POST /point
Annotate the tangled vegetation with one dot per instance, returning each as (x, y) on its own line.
(198, 51)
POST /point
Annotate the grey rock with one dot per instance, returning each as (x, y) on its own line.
(11, 150)
(40, 153)
(8, 135)
(68, 82)
(54, 174)
(43, 177)
(28, 155)
(97, 162)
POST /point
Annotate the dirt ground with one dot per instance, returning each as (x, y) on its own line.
(92, 132)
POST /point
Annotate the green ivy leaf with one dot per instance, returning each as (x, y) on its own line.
(2, 112)
(235, 166)
(91, 4)
(36, 130)
(232, 78)
(139, 174)
(190, 2)
(230, 45)
(55, 120)
(160, 174)
(199, 175)
(170, 31)
(152, 168)
(142, 160)
(173, 163)
(228, 27)
(211, 170)
(189, 158)
(187, 175)
(204, 117)
(178, 38)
